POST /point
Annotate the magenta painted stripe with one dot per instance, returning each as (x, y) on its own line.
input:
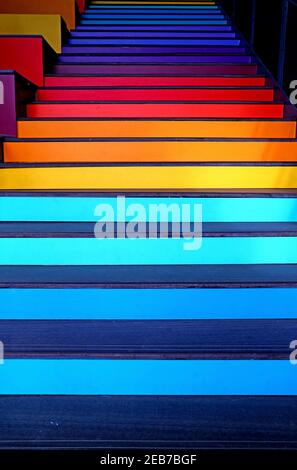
(170, 59)
(228, 69)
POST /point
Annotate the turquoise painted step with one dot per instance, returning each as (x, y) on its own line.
(128, 251)
(147, 377)
(148, 304)
(81, 209)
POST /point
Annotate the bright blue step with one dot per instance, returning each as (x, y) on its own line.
(147, 377)
(148, 304)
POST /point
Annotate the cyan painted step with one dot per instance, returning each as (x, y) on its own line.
(81, 209)
(148, 304)
(147, 377)
(132, 251)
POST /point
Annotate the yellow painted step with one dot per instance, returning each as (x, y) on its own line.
(149, 178)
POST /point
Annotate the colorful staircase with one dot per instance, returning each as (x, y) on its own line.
(122, 342)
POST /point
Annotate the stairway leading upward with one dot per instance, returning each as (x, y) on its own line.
(120, 342)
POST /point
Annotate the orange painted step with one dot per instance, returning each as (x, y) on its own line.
(149, 151)
(156, 110)
(157, 94)
(183, 129)
(120, 81)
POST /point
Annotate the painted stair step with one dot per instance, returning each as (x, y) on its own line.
(193, 15)
(277, 209)
(151, 12)
(183, 417)
(155, 110)
(154, 59)
(162, 21)
(149, 151)
(176, 94)
(172, 3)
(128, 9)
(142, 8)
(175, 28)
(146, 50)
(125, 7)
(276, 303)
(151, 339)
(130, 81)
(147, 377)
(150, 251)
(153, 42)
(152, 34)
(120, 2)
(150, 178)
(165, 70)
(153, 129)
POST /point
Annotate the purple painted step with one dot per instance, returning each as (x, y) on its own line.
(154, 42)
(169, 59)
(151, 50)
(227, 69)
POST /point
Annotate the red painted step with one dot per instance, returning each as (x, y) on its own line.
(148, 110)
(120, 81)
(202, 94)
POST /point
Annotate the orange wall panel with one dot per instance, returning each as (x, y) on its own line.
(65, 8)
